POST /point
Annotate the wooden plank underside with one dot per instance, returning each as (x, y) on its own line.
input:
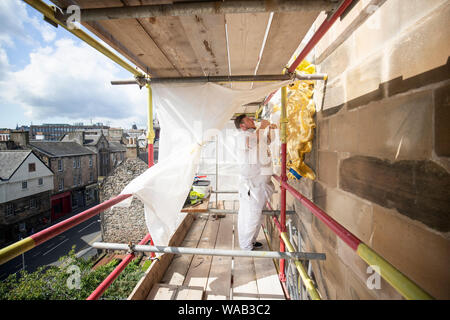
(132, 35)
(206, 34)
(286, 33)
(170, 37)
(245, 38)
(158, 43)
(197, 45)
(120, 3)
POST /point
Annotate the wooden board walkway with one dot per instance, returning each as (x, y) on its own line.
(200, 277)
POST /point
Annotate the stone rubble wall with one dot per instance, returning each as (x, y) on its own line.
(123, 225)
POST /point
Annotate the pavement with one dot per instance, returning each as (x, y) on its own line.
(48, 253)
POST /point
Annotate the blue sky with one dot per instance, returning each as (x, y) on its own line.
(47, 75)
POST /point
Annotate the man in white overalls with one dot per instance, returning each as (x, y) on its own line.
(255, 186)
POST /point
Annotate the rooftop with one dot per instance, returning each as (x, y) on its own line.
(10, 160)
(115, 146)
(60, 148)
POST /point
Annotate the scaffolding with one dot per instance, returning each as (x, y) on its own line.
(405, 286)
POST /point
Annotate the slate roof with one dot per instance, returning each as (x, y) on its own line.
(60, 148)
(115, 146)
(10, 160)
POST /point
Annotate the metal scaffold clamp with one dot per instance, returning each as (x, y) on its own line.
(131, 249)
(292, 75)
(141, 81)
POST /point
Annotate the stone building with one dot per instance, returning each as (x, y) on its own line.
(115, 134)
(75, 175)
(53, 132)
(26, 183)
(382, 148)
(109, 153)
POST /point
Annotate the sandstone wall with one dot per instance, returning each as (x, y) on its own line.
(382, 147)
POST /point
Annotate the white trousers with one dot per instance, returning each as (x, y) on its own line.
(253, 195)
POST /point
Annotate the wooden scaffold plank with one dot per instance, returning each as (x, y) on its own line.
(219, 280)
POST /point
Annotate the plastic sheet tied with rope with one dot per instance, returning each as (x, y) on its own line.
(189, 115)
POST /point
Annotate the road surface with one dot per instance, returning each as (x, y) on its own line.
(49, 252)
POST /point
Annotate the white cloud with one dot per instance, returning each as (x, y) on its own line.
(72, 81)
(14, 20)
(4, 64)
(13, 15)
(47, 31)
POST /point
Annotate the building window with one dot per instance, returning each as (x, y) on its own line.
(74, 201)
(61, 184)
(40, 181)
(91, 176)
(9, 209)
(79, 162)
(60, 165)
(33, 203)
(24, 184)
(31, 167)
(90, 162)
(74, 180)
(74, 162)
(79, 180)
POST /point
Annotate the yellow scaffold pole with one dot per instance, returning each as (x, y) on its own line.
(150, 130)
(309, 284)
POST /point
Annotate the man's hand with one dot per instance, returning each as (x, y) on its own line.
(264, 124)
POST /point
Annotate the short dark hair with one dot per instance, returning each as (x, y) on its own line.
(238, 120)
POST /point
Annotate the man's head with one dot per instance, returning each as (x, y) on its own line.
(244, 123)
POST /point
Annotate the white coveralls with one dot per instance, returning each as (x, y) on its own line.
(254, 190)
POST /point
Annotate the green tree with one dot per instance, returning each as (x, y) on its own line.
(73, 279)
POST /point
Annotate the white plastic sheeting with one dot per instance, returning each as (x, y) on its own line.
(189, 115)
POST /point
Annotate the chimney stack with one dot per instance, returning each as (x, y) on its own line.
(20, 137)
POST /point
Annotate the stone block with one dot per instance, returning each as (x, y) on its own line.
(363, 81)
(334, 95)
(442, 121)
(323, 234)
(419, 54)
(351, 212)
(417, 252)
(334, 274)
(356, 289)
(328, 168)
(339, 60)
(344, 134)
(419, 190)
(320, 195)
(395, 128)
(323, 128)
(352, 260)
